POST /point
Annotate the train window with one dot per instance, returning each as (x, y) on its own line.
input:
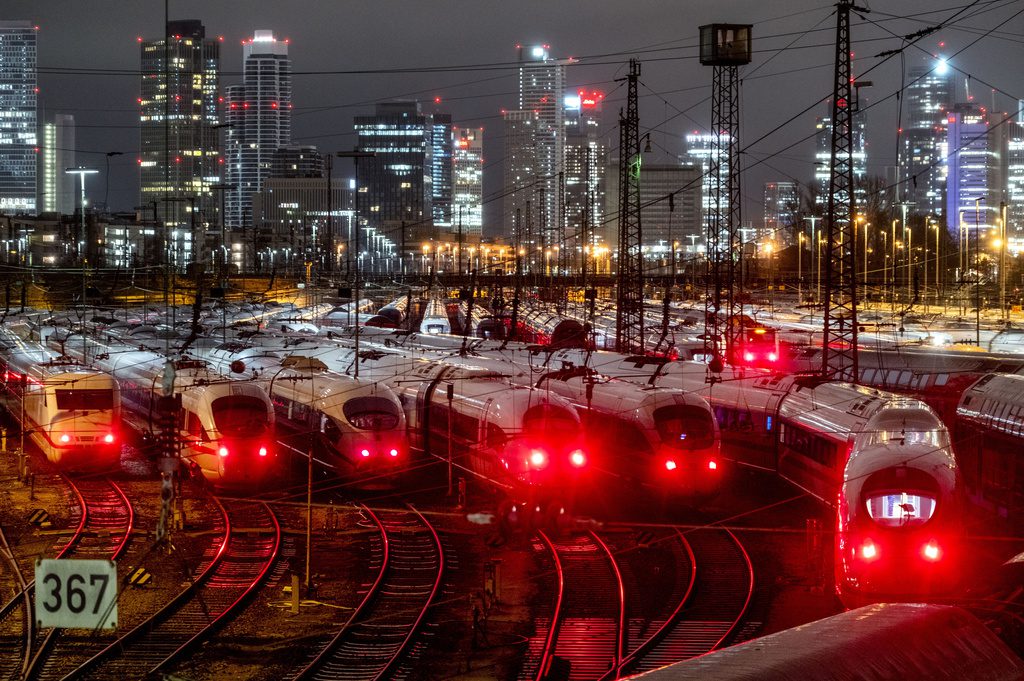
(371, 413)
(941, 379)
(684, 427)
(495, 437)
(85, 399)
(904, 380)
(332, 433)
(901, 509)
(195, 427)
(240, 415)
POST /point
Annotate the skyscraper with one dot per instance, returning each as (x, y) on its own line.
(781, 204)
(976, 179)
(666, 221)
(260, 118)
(441, 170)
(397, 184)
(468, 193)
(56, 191)
(922, 153)
(18, 101)
(585, 163)
(701, 149)
(823, 160)
(541, 90)
(179, 158)
(520, 173)
(1015, 183)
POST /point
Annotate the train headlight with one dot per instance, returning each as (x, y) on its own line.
(263, 451)
(65, 438)
(868, 550)
(109, 438)
(931, 551)
(577, 458)
(223, 451)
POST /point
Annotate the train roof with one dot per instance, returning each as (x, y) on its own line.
(907, 641)
(997, 401)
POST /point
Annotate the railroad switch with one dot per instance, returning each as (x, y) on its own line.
(40, 518)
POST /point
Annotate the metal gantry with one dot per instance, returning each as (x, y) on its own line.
(839, 354)
(629, 318)
(726, 47)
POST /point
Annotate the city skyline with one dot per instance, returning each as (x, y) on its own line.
(479, 96)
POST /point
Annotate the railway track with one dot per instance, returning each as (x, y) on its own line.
(622, 607)
(231, 570)
(103, 520)
(380, 633)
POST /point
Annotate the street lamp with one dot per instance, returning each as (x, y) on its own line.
(81, 171)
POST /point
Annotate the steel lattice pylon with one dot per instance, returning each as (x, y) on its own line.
(723, 241)
(839, 355)
(629, 318)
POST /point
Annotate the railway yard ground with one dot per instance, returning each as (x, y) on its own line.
(265, 639)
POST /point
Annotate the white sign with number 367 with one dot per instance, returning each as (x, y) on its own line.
(79, 594)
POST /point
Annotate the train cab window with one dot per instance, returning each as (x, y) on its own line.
(85, 399)
(684, 427)
(901, 509)
(495, 437)
(371, 413)
(331, 431)
(240, 416)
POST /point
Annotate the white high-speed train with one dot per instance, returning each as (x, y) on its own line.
(355, 427)
(71, 412)
(225, 426)
(435, 318)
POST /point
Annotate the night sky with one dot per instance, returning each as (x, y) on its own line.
(477, 39)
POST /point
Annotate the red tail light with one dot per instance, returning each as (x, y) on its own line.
(577, 458)
(538, 459)
(109, 438)
(263, 451)
(365, 453)
(712, 466)
(748, 356)
(772, 357)
(868, 550)
(223, 451)
(931, 551)
(670, 465)
(65, 438)
(393, 452)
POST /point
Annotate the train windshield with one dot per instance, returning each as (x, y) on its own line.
(901, 509)
(555, 423)
(906, 429)
(85, 399)
(240, 416)
(683, 426)
(371, 413)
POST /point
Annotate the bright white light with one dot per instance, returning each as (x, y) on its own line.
(941, 67)
(539, 53)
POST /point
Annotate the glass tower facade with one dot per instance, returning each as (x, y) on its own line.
(468, 195)
(179, 158)
(18, 102)
(56, 154)
(923, 142)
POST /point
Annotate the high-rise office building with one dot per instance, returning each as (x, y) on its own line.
(1015, 183)
(823, 160)
(702, 149)
(520, 173)
(441, 170)
(666, 221)
(297, 161)
(468, 171)
(56, 189)
(179, 156)
(923, 141)
(396, 185)
(586, 159)
(260, 117)
(18, 102)
(781, 205)
(541, 91)
(976, 177)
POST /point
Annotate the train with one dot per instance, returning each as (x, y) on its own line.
(435, 318)
(70, 411)
(663, 439)
(225, 427)
(354, 428)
